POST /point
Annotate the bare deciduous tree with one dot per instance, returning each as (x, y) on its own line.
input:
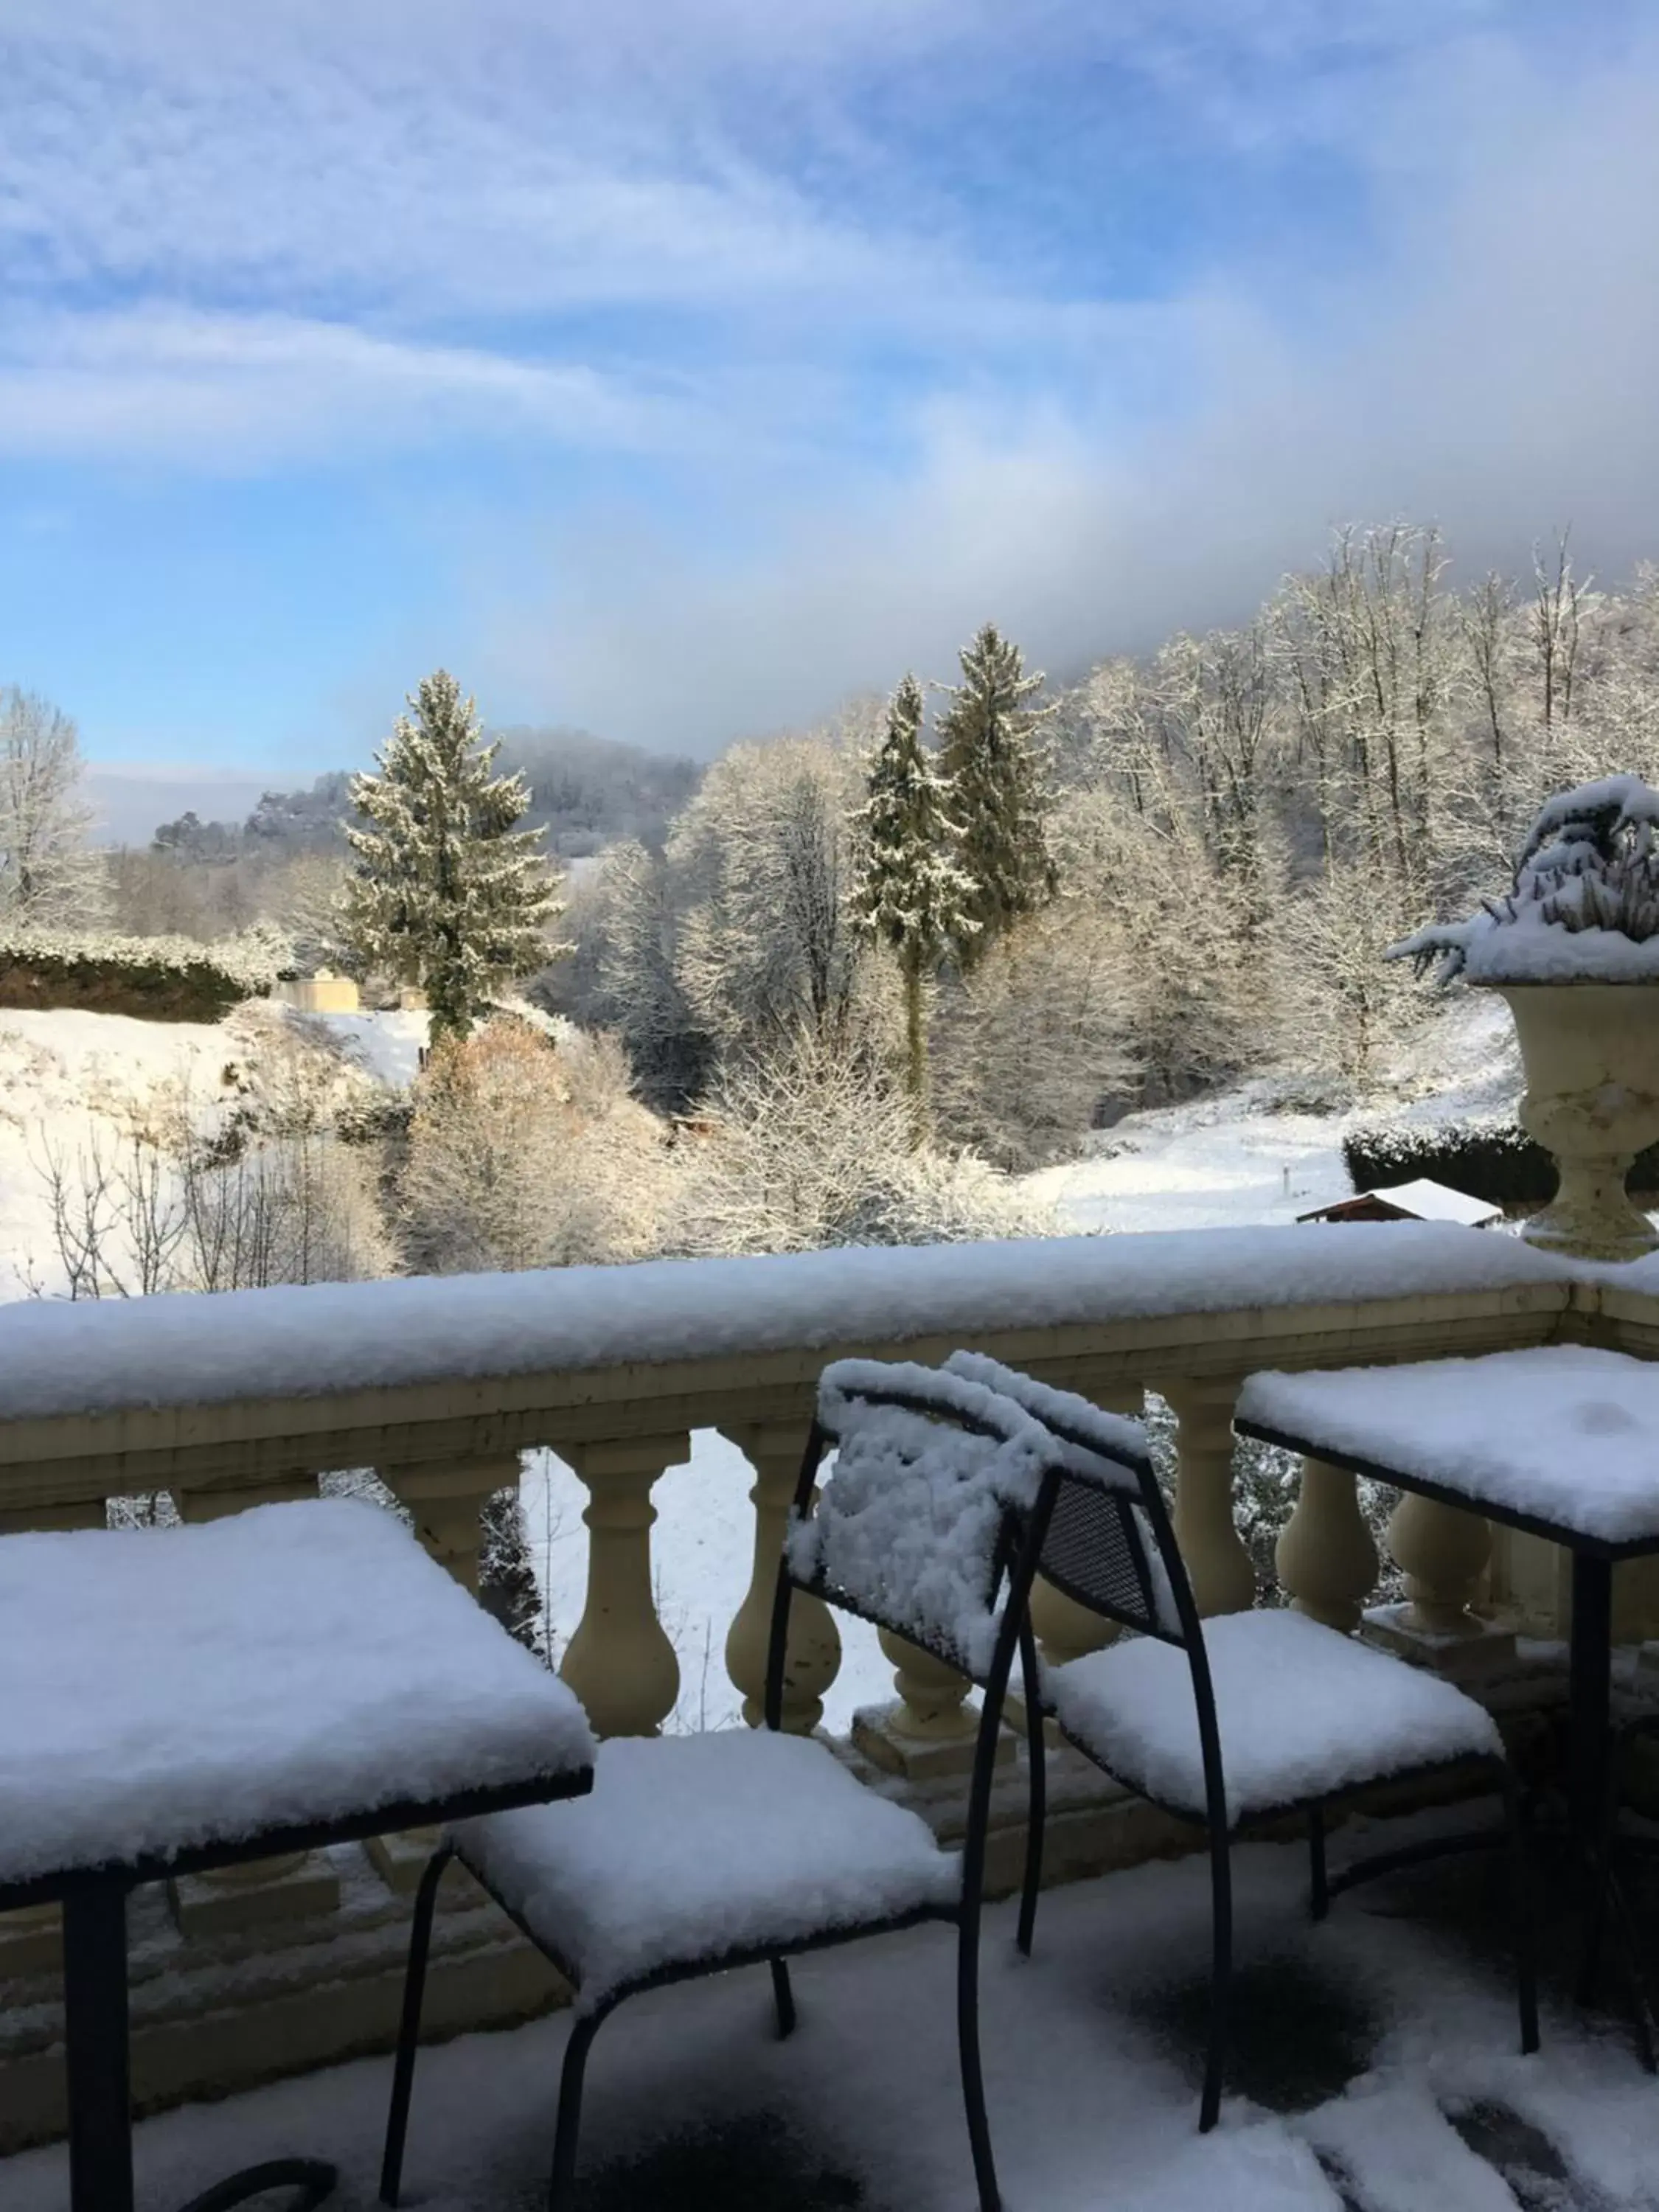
(50, 878)
(766, 861)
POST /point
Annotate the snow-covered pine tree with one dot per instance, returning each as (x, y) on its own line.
(988, 753)
(912, 895)
(447, 893)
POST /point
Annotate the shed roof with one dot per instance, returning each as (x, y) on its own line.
(1420, 1201)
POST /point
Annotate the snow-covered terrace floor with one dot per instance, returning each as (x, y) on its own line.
(1378, 2071)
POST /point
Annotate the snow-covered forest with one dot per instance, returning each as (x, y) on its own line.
(1237, 825)
(868, 977)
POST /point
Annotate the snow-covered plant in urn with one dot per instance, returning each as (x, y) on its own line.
(1584, 904)
(1576, 934)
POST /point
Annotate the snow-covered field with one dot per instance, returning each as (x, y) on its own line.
(1234, 1160)
(69, 1078)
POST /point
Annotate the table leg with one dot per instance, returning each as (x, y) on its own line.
(1590, 1698)
(1593, 1813)
(95, 2046)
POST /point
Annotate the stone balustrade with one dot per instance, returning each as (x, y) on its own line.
(440, 1388)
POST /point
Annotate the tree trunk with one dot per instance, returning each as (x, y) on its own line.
(915, 1051)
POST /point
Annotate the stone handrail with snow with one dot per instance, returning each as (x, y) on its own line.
(439, 1384)
(1585, 904)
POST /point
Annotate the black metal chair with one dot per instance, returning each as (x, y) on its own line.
(935, 1509)
(1336, 1715)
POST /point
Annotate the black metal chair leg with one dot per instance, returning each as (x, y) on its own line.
(1036, 1808)
(562, 2183)
(408, 2026)
(1221, 1978)
(1319, 1888)
(973, 2078)
(783, 1998)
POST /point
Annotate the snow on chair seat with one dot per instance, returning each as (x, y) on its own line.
(1302, 1712)
(694, 1848)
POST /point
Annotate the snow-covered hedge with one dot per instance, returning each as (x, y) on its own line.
(159, 979)
(1585, 905)
(1488, 1157)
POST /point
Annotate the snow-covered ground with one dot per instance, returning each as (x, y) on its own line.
(1362, 2042)
(69, 1079)
(1235, 1160)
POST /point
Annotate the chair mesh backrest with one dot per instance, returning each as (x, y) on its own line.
(913, 1523)
(1107, 1544)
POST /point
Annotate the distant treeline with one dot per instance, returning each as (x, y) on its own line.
(585, 792)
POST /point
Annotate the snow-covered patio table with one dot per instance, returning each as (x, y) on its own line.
(178, 1700)
(1560, 1440)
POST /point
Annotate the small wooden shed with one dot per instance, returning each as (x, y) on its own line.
(1410, 1201)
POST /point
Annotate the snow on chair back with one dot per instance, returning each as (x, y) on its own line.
(1105, 1544)
(911, 1524)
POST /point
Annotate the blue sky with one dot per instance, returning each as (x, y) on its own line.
(674, 367)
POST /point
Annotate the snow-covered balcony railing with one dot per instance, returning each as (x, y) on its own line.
(440, 1385)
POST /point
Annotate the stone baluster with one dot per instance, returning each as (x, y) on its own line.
(930, 1730)
(813, 1659)
(619, 1663)
(288, 1885)
(1217, 1565)
(1443, 1552)
(1325, 1555)
(446, 1499)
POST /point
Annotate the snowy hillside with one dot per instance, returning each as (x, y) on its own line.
(69, 1079)
(1234, 1160)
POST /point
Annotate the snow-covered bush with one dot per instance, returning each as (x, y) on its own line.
(1585, 903)
(160, 979)
(525, 1154)
(815, 1146)
(173, 1188)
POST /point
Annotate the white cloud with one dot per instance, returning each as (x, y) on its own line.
(240, 236)
(1494, 368)
(235, 392)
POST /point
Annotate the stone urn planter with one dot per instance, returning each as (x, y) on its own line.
(1574, 952)
(1590, 1052)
